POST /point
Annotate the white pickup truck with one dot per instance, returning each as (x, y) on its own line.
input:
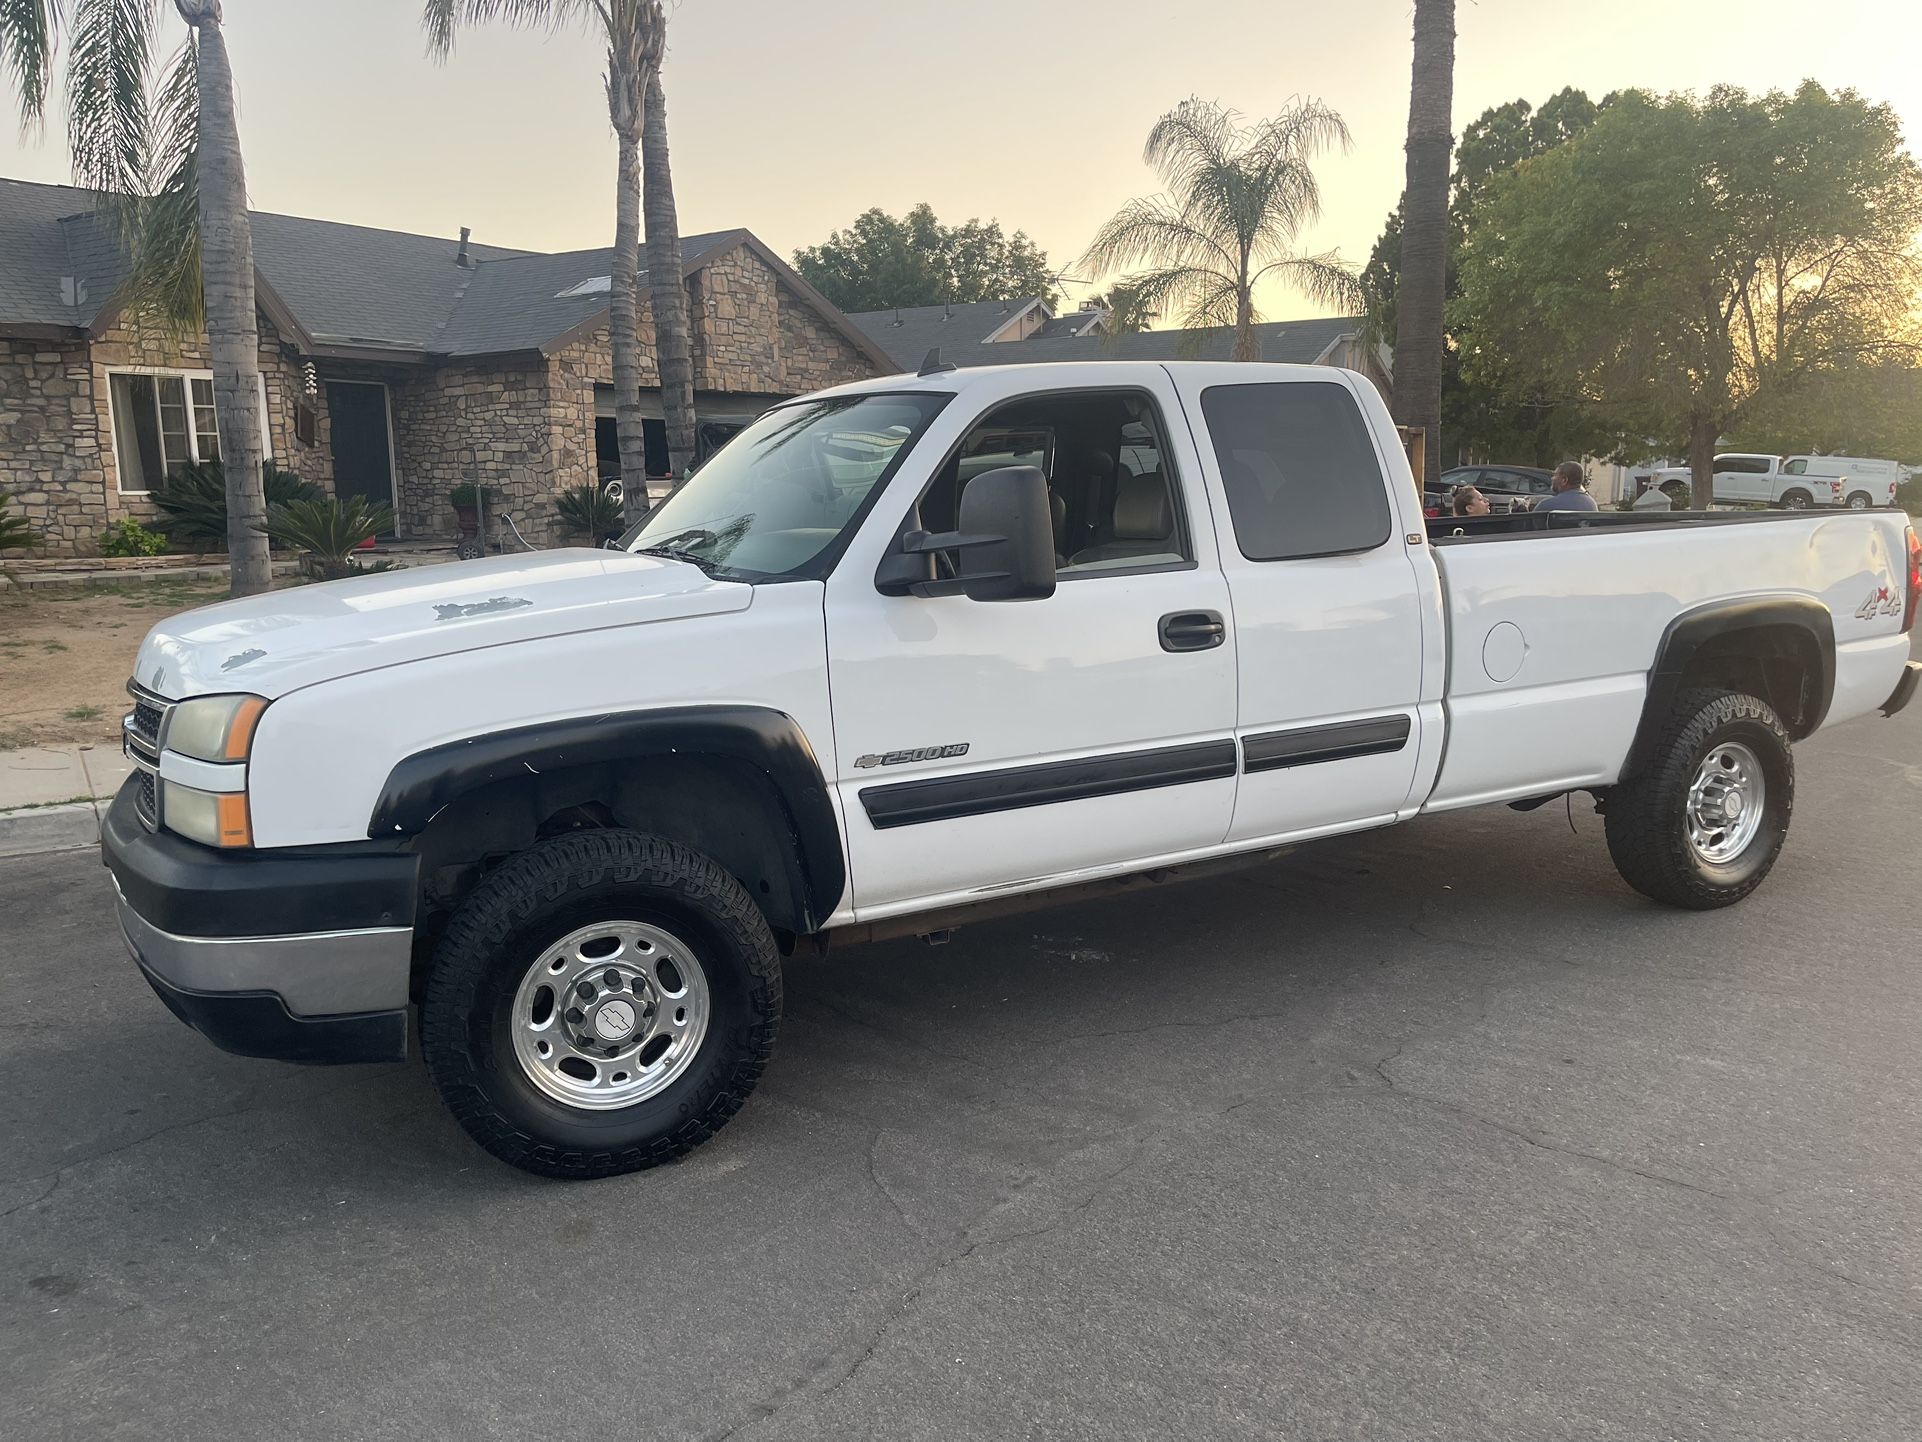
(911, 651)
(1794, 483)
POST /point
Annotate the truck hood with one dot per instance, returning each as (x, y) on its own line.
(279, 642)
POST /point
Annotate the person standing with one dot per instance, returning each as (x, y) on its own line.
(1570, 490)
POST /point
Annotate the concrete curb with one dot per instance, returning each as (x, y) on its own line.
(49, 828)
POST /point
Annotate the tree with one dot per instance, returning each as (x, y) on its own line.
(667, 288)
(634, 32)
(880, 261)
(1236, 196)
(1689, 263)
(1127, 314)
(1490, 414)
(1423, 282)
(163, 154)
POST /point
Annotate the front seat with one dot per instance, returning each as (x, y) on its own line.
(1144, 519)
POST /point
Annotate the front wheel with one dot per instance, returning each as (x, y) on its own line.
(1702, 826)
(601, 1003)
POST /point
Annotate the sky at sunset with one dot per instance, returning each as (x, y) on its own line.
(790, 119)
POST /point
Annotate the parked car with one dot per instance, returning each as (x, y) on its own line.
(1853, 481)
(578, 807)
(1503, 485)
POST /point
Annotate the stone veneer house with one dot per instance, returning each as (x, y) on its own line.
(394, 366)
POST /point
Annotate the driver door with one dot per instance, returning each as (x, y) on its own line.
(989, 747)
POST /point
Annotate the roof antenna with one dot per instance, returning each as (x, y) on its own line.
(934, 365)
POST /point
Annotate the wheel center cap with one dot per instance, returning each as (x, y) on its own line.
(1732, 805)
(614, 1021)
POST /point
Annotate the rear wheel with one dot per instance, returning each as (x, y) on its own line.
(1860, 501)
(601, 1003)
(1797, 500)
(1702, 826)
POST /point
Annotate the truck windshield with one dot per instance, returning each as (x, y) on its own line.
(779, 498)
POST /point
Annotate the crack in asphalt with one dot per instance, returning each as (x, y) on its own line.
(59, 1172)
(1393, 1088)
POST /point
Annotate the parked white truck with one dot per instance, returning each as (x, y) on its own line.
(1794, 483)
(911, 651)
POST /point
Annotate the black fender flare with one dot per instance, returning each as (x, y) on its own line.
(770, 741)
(1689, 632)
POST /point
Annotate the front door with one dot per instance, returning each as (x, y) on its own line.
(1331, 616)
(361, 441)
(984, 747)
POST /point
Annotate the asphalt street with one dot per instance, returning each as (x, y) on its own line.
(1434, 1132)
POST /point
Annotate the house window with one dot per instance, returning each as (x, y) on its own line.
(163, 420)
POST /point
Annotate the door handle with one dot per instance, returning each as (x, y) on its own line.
(1192, 631)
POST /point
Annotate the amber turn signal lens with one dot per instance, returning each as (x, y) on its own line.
(240, 731)
(235, 828)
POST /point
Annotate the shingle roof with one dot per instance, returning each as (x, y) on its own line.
(517, 303)
(1073, 323)
(1301, 342)
(347, 285)
(909, 333)
(33, 252)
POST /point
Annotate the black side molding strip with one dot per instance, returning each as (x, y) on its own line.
(1340, 741)
(942, 798)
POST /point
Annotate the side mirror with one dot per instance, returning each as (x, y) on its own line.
(1004, 549)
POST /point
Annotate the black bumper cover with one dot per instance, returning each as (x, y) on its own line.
(257, 1023)
(192, 890)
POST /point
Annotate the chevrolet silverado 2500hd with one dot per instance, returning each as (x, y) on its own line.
(907, 650)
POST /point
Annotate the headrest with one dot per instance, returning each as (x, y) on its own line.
(1141, 510)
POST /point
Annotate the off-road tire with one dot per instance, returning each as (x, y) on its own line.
(535, 898)
(1646, 818)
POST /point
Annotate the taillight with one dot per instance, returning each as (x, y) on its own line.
(1915, 581)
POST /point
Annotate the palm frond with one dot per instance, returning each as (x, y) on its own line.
(109, 66)
(1196, 135)
(1323, 278)
(1154, 230)
(28, 32)
(443, 19)
(164, 283)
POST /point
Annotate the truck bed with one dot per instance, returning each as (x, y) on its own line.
(1551, 645)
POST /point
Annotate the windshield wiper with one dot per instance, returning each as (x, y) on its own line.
(677, 553)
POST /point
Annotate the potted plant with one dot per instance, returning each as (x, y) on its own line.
(327, 532)
(468, 500)
(591, 511)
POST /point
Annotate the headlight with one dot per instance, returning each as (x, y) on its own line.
(213, 818)
(214, 728)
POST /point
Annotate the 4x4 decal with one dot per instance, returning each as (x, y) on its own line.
(1882, 601)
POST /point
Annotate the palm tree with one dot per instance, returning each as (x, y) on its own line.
(1236, 197)
(1422, 282)
(164, 155)
(635, 32)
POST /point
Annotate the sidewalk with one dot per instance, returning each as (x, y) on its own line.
(51, 797)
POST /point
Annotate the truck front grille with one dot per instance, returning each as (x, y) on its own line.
(140, 735)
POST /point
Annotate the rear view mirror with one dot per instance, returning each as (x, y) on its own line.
(1003, 551)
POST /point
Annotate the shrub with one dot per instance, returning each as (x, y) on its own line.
(1908, 496)
(328, 530)
(127, 537)
(587, 510)
(193, 500)
(14, 531)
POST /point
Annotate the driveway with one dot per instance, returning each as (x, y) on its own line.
(1432, 1132)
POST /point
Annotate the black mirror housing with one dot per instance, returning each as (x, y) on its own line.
(1011, 506)
(1004, 550)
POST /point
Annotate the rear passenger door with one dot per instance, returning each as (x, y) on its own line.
(1337, 631)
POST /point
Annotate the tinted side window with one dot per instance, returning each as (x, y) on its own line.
(1300, 472)
(1796, 468)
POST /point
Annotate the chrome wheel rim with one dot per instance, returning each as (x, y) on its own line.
(1726, 803)
(1858, 502)
(1796, 503)
(610, 1015)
